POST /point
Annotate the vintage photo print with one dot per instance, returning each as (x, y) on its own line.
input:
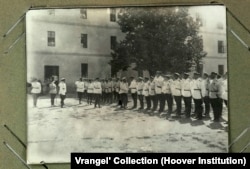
(127, 79)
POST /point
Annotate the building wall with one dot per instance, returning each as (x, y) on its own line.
(68, 52)
(212, 30)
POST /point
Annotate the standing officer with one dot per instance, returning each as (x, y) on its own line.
(158, 88)
(146, 92)
(197, 95)
(166, 90)
(62, 91)
(225, 89)
(97, 92)
(52, 90)
(152, 93)
(79, 89)
(133, 90)
(36, 89)
(205, 93)
(176, 92)
(214, 92)
(124, 92)
(90, 92)
(186, 93)
(140, 86)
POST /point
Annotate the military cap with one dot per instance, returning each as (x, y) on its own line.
(62, 79)
(196, 73)
(152, 77)
(205, 74)
(167, 76)
(185, 73)
(213, 73)
(124, 78)
(141, 78)
(158, 72)
(177, 74)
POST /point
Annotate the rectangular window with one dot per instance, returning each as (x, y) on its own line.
(113, 42)
(84, 40)
(112, 14)
(51, 38)
(84, 70)
(221, 47)
(219, 25)
(221, 69)
(51, 71)
(83, 13)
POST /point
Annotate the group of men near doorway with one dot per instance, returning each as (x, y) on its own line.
(155, 94)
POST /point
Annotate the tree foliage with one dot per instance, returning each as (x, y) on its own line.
(157, 38)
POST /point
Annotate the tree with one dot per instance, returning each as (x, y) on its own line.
(157, 38)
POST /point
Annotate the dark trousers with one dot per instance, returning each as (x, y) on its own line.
(169, 99)
(148, 101)
(188, 103)
(198, 107)
(62, 99)
(89, 98)
(162, 102)
(80, 94)
(98, 99)
(225, 101)
(153, 100)
(216, 103)
(124, 100)
(207, 105)
(35, 97)
(52, 99)
(178, 104)
(134, 97)
(141, 101)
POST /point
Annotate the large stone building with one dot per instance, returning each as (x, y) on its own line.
(71, 43)
(212, 21)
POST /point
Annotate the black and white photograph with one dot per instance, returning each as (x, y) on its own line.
(126, 79)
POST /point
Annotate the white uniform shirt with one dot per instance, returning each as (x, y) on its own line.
(145, 91)
(79, 86)
(152, 88)
(62, 88)
(52, 88)
(97, 88)
(109, 87)
(90, 88)
(186, 88)
(214, 89)
(205, 87)
(36, 87)
(224, 89)
(196, 88)
(158, 84)
(123, 87)
(176, 87)
(133, 86)
(166, 88)
(140, 88)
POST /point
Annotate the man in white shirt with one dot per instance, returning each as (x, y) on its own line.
(186, 93)
(158, 88)
(146, 92)
(140, 85)
(36, 89)
(124, 93)
(133, 90)
(176, 92)
(62, 91)
(90, 92)
(97, 92)
(205, 93)
(166, 90)
(79, 89)
(197, 95)
(152, 93)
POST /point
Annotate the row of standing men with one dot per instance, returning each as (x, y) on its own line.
(209, 90)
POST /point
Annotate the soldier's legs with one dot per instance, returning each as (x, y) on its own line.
(148, 101)
(188, 102)
(207, 105)
(169, 98)
(162, 103)
(220, 107)
(52, 98)
(178, 105)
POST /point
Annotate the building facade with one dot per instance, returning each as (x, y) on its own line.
(71, 43)
(212, 20)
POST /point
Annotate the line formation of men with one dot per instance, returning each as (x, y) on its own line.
(159, 92)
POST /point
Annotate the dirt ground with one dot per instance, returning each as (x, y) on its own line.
(55, 132)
